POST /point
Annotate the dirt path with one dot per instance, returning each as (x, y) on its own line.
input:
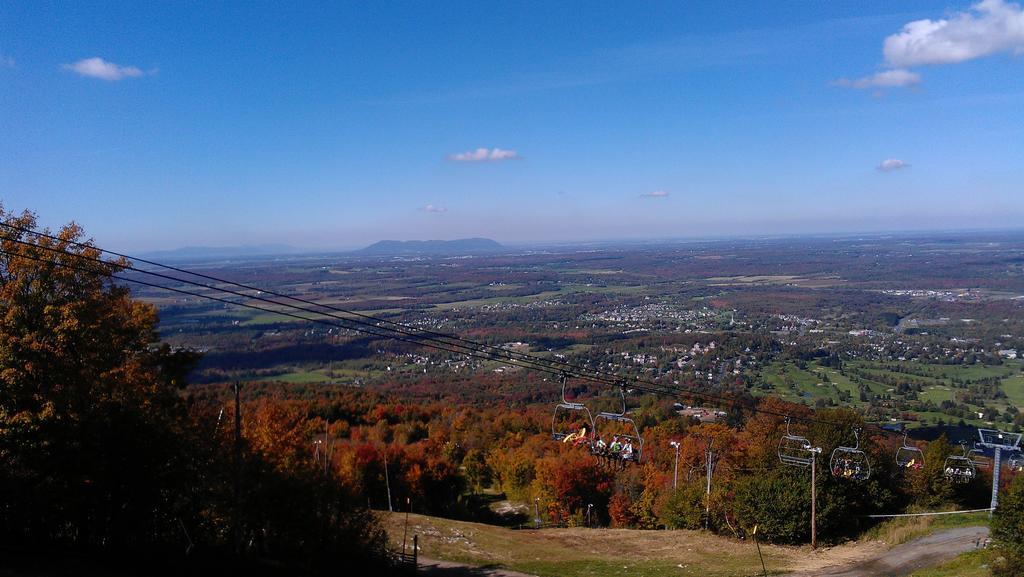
(908, 557)
(436, 568)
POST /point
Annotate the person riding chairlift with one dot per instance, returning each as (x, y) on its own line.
(615, 448)
(600, 447)
(846, 468)
(582, 439)
(627, 451)
(572, 438)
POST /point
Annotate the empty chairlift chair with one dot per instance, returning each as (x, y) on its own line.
(572, 421)
(980, 459)
(623, 427)
(794, 449)
(959, 468)
(850, 462)
(909, 456)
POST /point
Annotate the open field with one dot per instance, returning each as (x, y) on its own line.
(810, 383)
(588, 552)
(579, 552)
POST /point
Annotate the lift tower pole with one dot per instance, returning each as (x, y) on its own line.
(998, 441)
(814, 496)
(709, 462)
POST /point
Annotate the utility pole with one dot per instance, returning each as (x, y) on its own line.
(709, 463)
(327, 445)
(675, 468)
(387, 480)
(405, 531)
(237, 472)
(814, 496)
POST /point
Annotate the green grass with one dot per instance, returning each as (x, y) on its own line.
(589, 552)
(1014, 389)
(802, 385)
(970, 564)
(902, 529)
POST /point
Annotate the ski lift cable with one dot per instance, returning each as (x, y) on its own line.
(531, 361)
(408, 329)
(262, 309)
(479, 350)
(471, 347)
(534, 362)
(586, 373)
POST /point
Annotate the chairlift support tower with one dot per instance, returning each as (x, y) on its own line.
(998, 441)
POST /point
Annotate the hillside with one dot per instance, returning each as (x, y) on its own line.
(432, 247)
(582, 552)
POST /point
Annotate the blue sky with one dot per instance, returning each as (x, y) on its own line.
(164, 124)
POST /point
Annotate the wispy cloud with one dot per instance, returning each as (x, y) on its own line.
(484, 155)
(886, 79)
(988, 27)
(433, 208)
(97, 67)
(655, 194)
(891, 164)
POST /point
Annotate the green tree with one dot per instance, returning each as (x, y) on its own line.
(478, 473)
(928, 486)
(779, 502)
(1008, 531)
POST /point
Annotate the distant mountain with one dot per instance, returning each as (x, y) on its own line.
(221, 252)
(432, 247)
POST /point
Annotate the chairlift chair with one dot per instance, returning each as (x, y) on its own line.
(566, 408)
(850, 462)
(959, 468)
(1016, 463)
(631, 433)
(909, 456)
(979, 458)
(794, 449)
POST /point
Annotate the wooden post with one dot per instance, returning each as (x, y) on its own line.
(761, 557)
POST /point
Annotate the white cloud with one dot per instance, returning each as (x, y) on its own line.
(891, 164)
(484, 155)
(885, 79)
(99, 68)
(655, 194)
(988, 27)
(433, 208)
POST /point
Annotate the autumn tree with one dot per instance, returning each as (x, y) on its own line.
(90, 413)
(102, 450)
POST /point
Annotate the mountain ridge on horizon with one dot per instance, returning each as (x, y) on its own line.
(462, 245)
